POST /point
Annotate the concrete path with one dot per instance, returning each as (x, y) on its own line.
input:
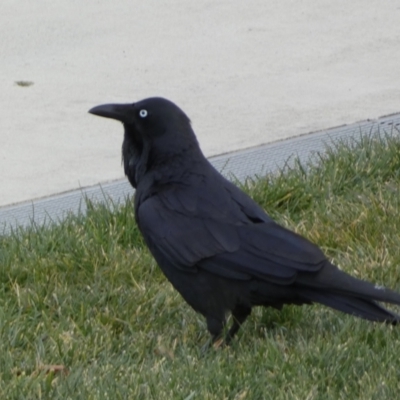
(246, 73)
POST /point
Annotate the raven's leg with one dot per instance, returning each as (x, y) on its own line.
(215, 326)
(239, 314)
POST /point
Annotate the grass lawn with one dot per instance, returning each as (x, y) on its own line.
(85, 313)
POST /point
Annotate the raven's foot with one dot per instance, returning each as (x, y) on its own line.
(217, 344)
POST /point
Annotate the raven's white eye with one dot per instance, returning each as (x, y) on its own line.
(143, 113)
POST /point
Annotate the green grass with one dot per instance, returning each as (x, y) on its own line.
(86, 294)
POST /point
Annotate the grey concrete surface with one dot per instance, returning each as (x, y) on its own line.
(246, 73)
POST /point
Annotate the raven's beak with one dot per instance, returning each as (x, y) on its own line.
(120, 112)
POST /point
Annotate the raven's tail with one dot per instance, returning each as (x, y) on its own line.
(334, 288)
(367, 309)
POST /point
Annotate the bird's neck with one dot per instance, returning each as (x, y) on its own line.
(174, 166)
(157, 165)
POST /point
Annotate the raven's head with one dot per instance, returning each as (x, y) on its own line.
(156, 131)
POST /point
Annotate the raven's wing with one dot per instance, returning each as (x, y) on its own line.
(222, 230)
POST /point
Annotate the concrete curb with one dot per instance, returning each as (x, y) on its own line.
(240, 165)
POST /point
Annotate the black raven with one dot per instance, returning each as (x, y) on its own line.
(216, 246)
